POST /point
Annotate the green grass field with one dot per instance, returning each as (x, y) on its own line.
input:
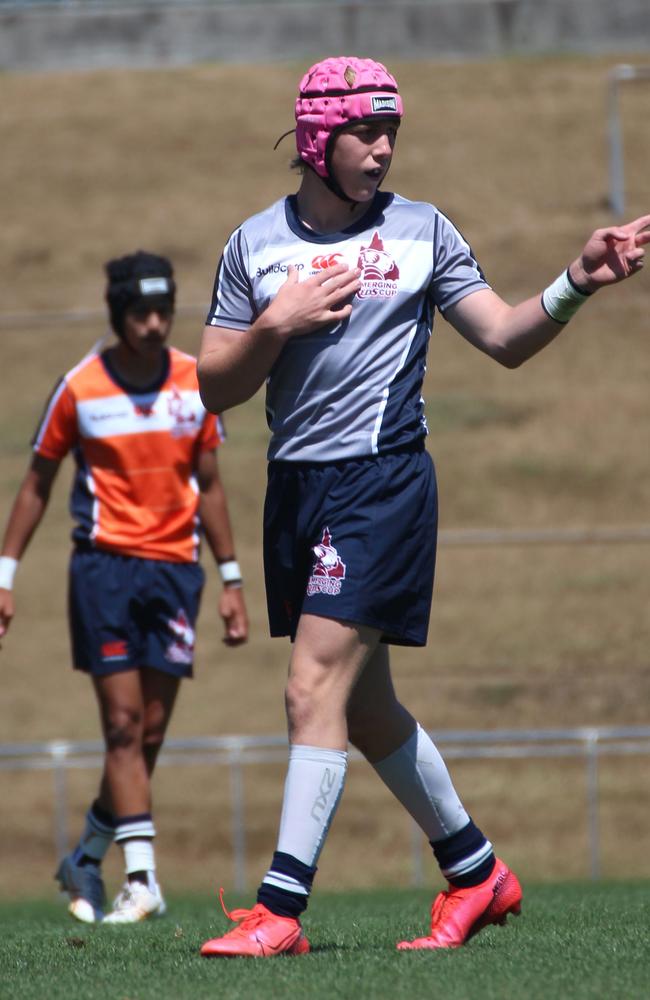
(573, 942)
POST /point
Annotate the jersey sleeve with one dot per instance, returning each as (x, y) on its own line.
(212, 433)
(57, 431)
(456, 271)
(232, 297)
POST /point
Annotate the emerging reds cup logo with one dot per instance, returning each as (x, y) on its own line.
(379, 272)
(328, 571)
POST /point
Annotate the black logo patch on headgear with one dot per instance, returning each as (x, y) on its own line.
(134, 278)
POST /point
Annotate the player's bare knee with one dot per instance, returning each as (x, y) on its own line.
(123, 730)
(378, 728)
(299, 703)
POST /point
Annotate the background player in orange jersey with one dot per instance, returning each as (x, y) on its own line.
(146, 483)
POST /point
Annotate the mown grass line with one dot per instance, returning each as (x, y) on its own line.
(573, 942)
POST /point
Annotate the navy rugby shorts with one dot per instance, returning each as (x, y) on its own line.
(353, 540)
(127, 613)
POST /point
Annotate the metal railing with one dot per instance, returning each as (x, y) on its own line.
(621, 74)
(238, 752)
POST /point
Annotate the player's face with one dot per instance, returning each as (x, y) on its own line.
(362, 155)
(147, 327)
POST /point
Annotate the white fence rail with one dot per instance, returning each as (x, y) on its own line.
(236, 753)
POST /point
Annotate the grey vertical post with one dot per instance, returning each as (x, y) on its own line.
(616, 170)
(593, 803)
(59, 753)
(238, 819)
(619, 75)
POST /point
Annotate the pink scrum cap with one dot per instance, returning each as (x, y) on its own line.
(337, 92)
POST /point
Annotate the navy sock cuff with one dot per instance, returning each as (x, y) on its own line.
(476, 875)
(282, 901)
(288, 865)
(462, 844)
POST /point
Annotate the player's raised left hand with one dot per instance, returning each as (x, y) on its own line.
(611, 255)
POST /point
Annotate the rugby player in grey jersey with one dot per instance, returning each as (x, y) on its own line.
(328, 296)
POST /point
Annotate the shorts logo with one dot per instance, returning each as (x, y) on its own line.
(328, 571)
(321, 261)
(379, 272)
(181, 648)
(115, 650)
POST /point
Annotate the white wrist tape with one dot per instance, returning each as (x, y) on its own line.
(230, 572)
(8, 567)
(562, 298)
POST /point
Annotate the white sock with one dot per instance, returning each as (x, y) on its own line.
(135, 835)
(312, 789)
(139, 857)
(417, 775)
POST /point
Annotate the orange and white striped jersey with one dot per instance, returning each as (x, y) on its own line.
(135, 491)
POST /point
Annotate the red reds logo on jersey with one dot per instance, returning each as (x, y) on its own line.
(143, 409)
(322, 261)
(379, 272)
(328, 570)
(181, 412)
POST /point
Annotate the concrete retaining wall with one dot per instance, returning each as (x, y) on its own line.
(76, 36)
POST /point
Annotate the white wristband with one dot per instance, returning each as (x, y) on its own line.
(8, 567)
(562, 298)
(230, 572)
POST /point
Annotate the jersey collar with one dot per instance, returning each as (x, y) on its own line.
(140, 390)
(379, 204)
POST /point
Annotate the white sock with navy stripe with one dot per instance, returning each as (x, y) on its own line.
(417, 775)
(312, 790)
(135, 835)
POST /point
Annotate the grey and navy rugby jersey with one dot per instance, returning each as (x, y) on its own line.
(353, 388)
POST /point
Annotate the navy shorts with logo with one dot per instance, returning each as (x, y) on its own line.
(127, 613)
(353, 540)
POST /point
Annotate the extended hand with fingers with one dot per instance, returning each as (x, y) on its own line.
(611, 255)
(302, 306)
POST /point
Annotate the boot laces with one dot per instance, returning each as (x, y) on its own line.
(444, 905)
(245, 918)
(443, 901)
